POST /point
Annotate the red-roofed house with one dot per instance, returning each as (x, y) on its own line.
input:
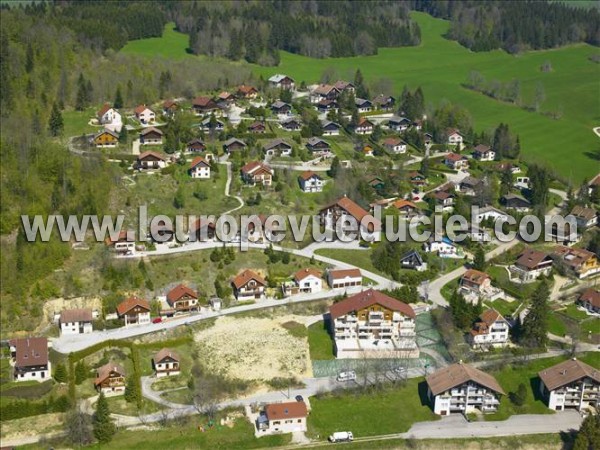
(182, 298)
(369, 323)
(247, 92)
(110, 379)
(344, 278)
(345, 209)
(456, 161)
(256, 172)
(310, 181)
(200, 168)
(248, 285)
(166, 363)
(590, 300)
(288, 417)
(491, 329)
(30, 356)
(170, 107)
(134, 310)
(144, 114)
(364, 126)
(204, 105)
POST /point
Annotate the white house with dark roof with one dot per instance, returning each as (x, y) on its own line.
(570, 384)
(310, 181)
(75, 321)
(30, 356)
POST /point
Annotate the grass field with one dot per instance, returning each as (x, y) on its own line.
(320, 342)
(172, 44)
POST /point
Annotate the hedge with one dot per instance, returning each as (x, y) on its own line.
(25, 408)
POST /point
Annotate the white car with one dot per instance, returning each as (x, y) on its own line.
(349, 375)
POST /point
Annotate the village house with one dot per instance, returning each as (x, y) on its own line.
(196, 145)
(204, 105)
(444, 199)
(407, 209)
(413, 260)
(30, 357)
(454, 137)
(345, 86)
(310, 182)
(110, 379)
(324, 92)
(428, 140)
(530, 265)
(470, 186)
(483, 153)
(150, 161)
(594, 184)
(461, 388)
(585, 217)
(276, 418)
(75, 321)
(331, 128)
(305, 281)
(376, 183)
(456, 161)
(476, 282)
(257, 128)
(182, 298)
(170, 108)
(291, 124)
(490, 213)
(324, 106)
(444, 247)
(247, 92)
(490, 329)
(372, 324)
(417, 179)
(151, 136)
(225, 97)
(203, 230)
(200, 168)
(570, 384)
(278, 147)
(166, 363)
(384, 102)
(134, 311)
(367, 151)
(281, 108)
(516, 203)
(124, 243)
(504, 166)
(395, 145)
(105, 138)
(363, 105)
(144, 115)
(318, 146)
(233, 145)
(364, 126)
(109, 117)
(345, 210)
(590, 300)
(580, 262)
(400, 124)
(256, 172)
(248, 285)
(212, 124)
(282, 82)
(522, 183)
(344, 278)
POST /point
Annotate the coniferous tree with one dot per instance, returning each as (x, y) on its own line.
(60, 373)
(55, 123)
(29, 58)
(118, 103)
(479, 259)
(81, 372)
(534, 330)
(104, 428)
(588, 436)
(359, 85)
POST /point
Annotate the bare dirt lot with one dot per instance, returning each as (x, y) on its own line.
(255, 348)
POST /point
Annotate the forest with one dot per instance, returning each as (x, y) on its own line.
(515, 26)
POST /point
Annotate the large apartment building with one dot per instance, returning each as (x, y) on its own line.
(373, 324)
(461, 388)
(570, 384)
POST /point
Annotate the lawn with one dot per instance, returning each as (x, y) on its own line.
(172, 44)
(556, 324)
(358, 258)
(392, 410)
(76, 122)
(320, 342)
(511, 375)
(500, 279)
(503, 307)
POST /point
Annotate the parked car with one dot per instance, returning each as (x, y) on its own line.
(349, 375)
(341, 436)
(157, 320)
(299, 398)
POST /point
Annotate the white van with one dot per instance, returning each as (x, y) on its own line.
(349, 375)
(341, 436)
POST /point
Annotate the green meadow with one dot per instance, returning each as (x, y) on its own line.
(440, 67)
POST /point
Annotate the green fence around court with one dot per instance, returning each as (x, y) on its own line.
(428, 336)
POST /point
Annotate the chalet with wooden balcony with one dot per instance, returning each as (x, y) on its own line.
(134, 311)
(531, 265)
(182, 298)
(490, 329)
(110, 379)
(248, 285)
(166, 363)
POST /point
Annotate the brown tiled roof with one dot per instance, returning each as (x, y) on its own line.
(566, 372)
(401, 203)
(76, 315)
(31, 351)
(341, 84)
(591, 296)
(367, 298)
(482, 148)
(169, 103)
(583, 212)
(302, 274)
(475, 276)
(151, 153)
(254, 166)
(458, 374)
(324, 89)
(225, 95)
(289, 410)
(104, 109)
(451, 131)
(104, 371)
(179, 291)
(392, 141)
(149, 130)
(140, 109)
(256, 124)
(343, 273)
(454, 157)
(106, 131)
(309, 174)
(487, 319)
(363, 121)
(243, 278)
(573, 257)
(124, 236)
(202, 101)
(165, 353)
(353, 209)
(246, 89)
(199, 160)
(126, 305)
(531, 258)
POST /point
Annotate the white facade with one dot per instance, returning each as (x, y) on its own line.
(201, 171)
(465, 398)
(143, 318)
(313, 184)
(40, 374)
(167, 369)
(498, 334)
(310, 284)
(111, 117)
(75, 327)
(455, 139)
(490, 213)
(580, 394)
(146, 116)
(341, 282)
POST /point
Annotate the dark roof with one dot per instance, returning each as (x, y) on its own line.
(149, 130)
(566, 372)
(458, 374)
(531, 258)
(367, 298)
(591, 296)
(31, 351)
(76, 315)
(165, 353)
